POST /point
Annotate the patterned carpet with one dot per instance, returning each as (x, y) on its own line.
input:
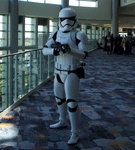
(106, 101)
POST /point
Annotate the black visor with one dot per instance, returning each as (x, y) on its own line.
(70, 18)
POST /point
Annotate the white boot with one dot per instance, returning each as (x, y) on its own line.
(74, 120)
(62, 119)
(73, 139)
(58, 125)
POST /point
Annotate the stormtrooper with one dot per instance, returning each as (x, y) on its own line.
(69, 47)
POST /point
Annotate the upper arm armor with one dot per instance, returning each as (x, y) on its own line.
(82, 37)
(47, 50)
(51, 39)
(82, 41)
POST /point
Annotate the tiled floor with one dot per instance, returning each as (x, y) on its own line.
(107, 104)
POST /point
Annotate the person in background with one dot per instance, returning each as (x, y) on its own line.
(108, 43)
(99, 46)
(124, 45)
(112, 42)
(104, 43)
(117, 49)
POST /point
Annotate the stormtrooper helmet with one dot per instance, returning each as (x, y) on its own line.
(67, 19)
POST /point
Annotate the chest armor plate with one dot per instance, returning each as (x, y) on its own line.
(67, 61)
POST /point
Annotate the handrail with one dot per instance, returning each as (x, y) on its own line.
(18, 53)
(22, 72)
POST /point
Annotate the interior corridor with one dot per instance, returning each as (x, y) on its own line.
(106, 101)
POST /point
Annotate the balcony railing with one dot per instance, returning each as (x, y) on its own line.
(22, 72)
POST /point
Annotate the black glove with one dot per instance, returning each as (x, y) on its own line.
(65, 48)
(60, 47)
(56, 52)
(86, 54)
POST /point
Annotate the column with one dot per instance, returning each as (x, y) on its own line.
(14, 25)
(115, 17)
(64, 3)
(13, 4)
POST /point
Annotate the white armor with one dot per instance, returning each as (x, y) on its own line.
(67, 67)
(67, 20)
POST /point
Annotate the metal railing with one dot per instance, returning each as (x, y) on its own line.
(92, 44)
(22, 72)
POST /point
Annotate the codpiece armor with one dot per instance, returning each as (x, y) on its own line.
(69, 47)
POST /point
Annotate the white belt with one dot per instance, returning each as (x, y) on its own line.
(67, 67)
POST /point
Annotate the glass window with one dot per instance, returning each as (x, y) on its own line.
(40, 28)
(54, 1)
(3, 30)
(37, 1)
(30, 31)
(1, 19)
(89, 32)
(97, 34)
(27, 20)
(53, 26)
(93, 32)
(50, 26)
(73, 3)
(83, 28)
(87, 4)
(83, 3)
(20, 35)
(1, 26)
(9, 31)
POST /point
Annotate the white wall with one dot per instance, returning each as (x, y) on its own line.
(130, 9)
(127, 21)
(102, 12)
(127, 16)
(4, 6)
(126, 2)
(38, 9)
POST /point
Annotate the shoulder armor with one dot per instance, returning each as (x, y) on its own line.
(53, 35)
(73, 37)
(51, 40)
(82, 37)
